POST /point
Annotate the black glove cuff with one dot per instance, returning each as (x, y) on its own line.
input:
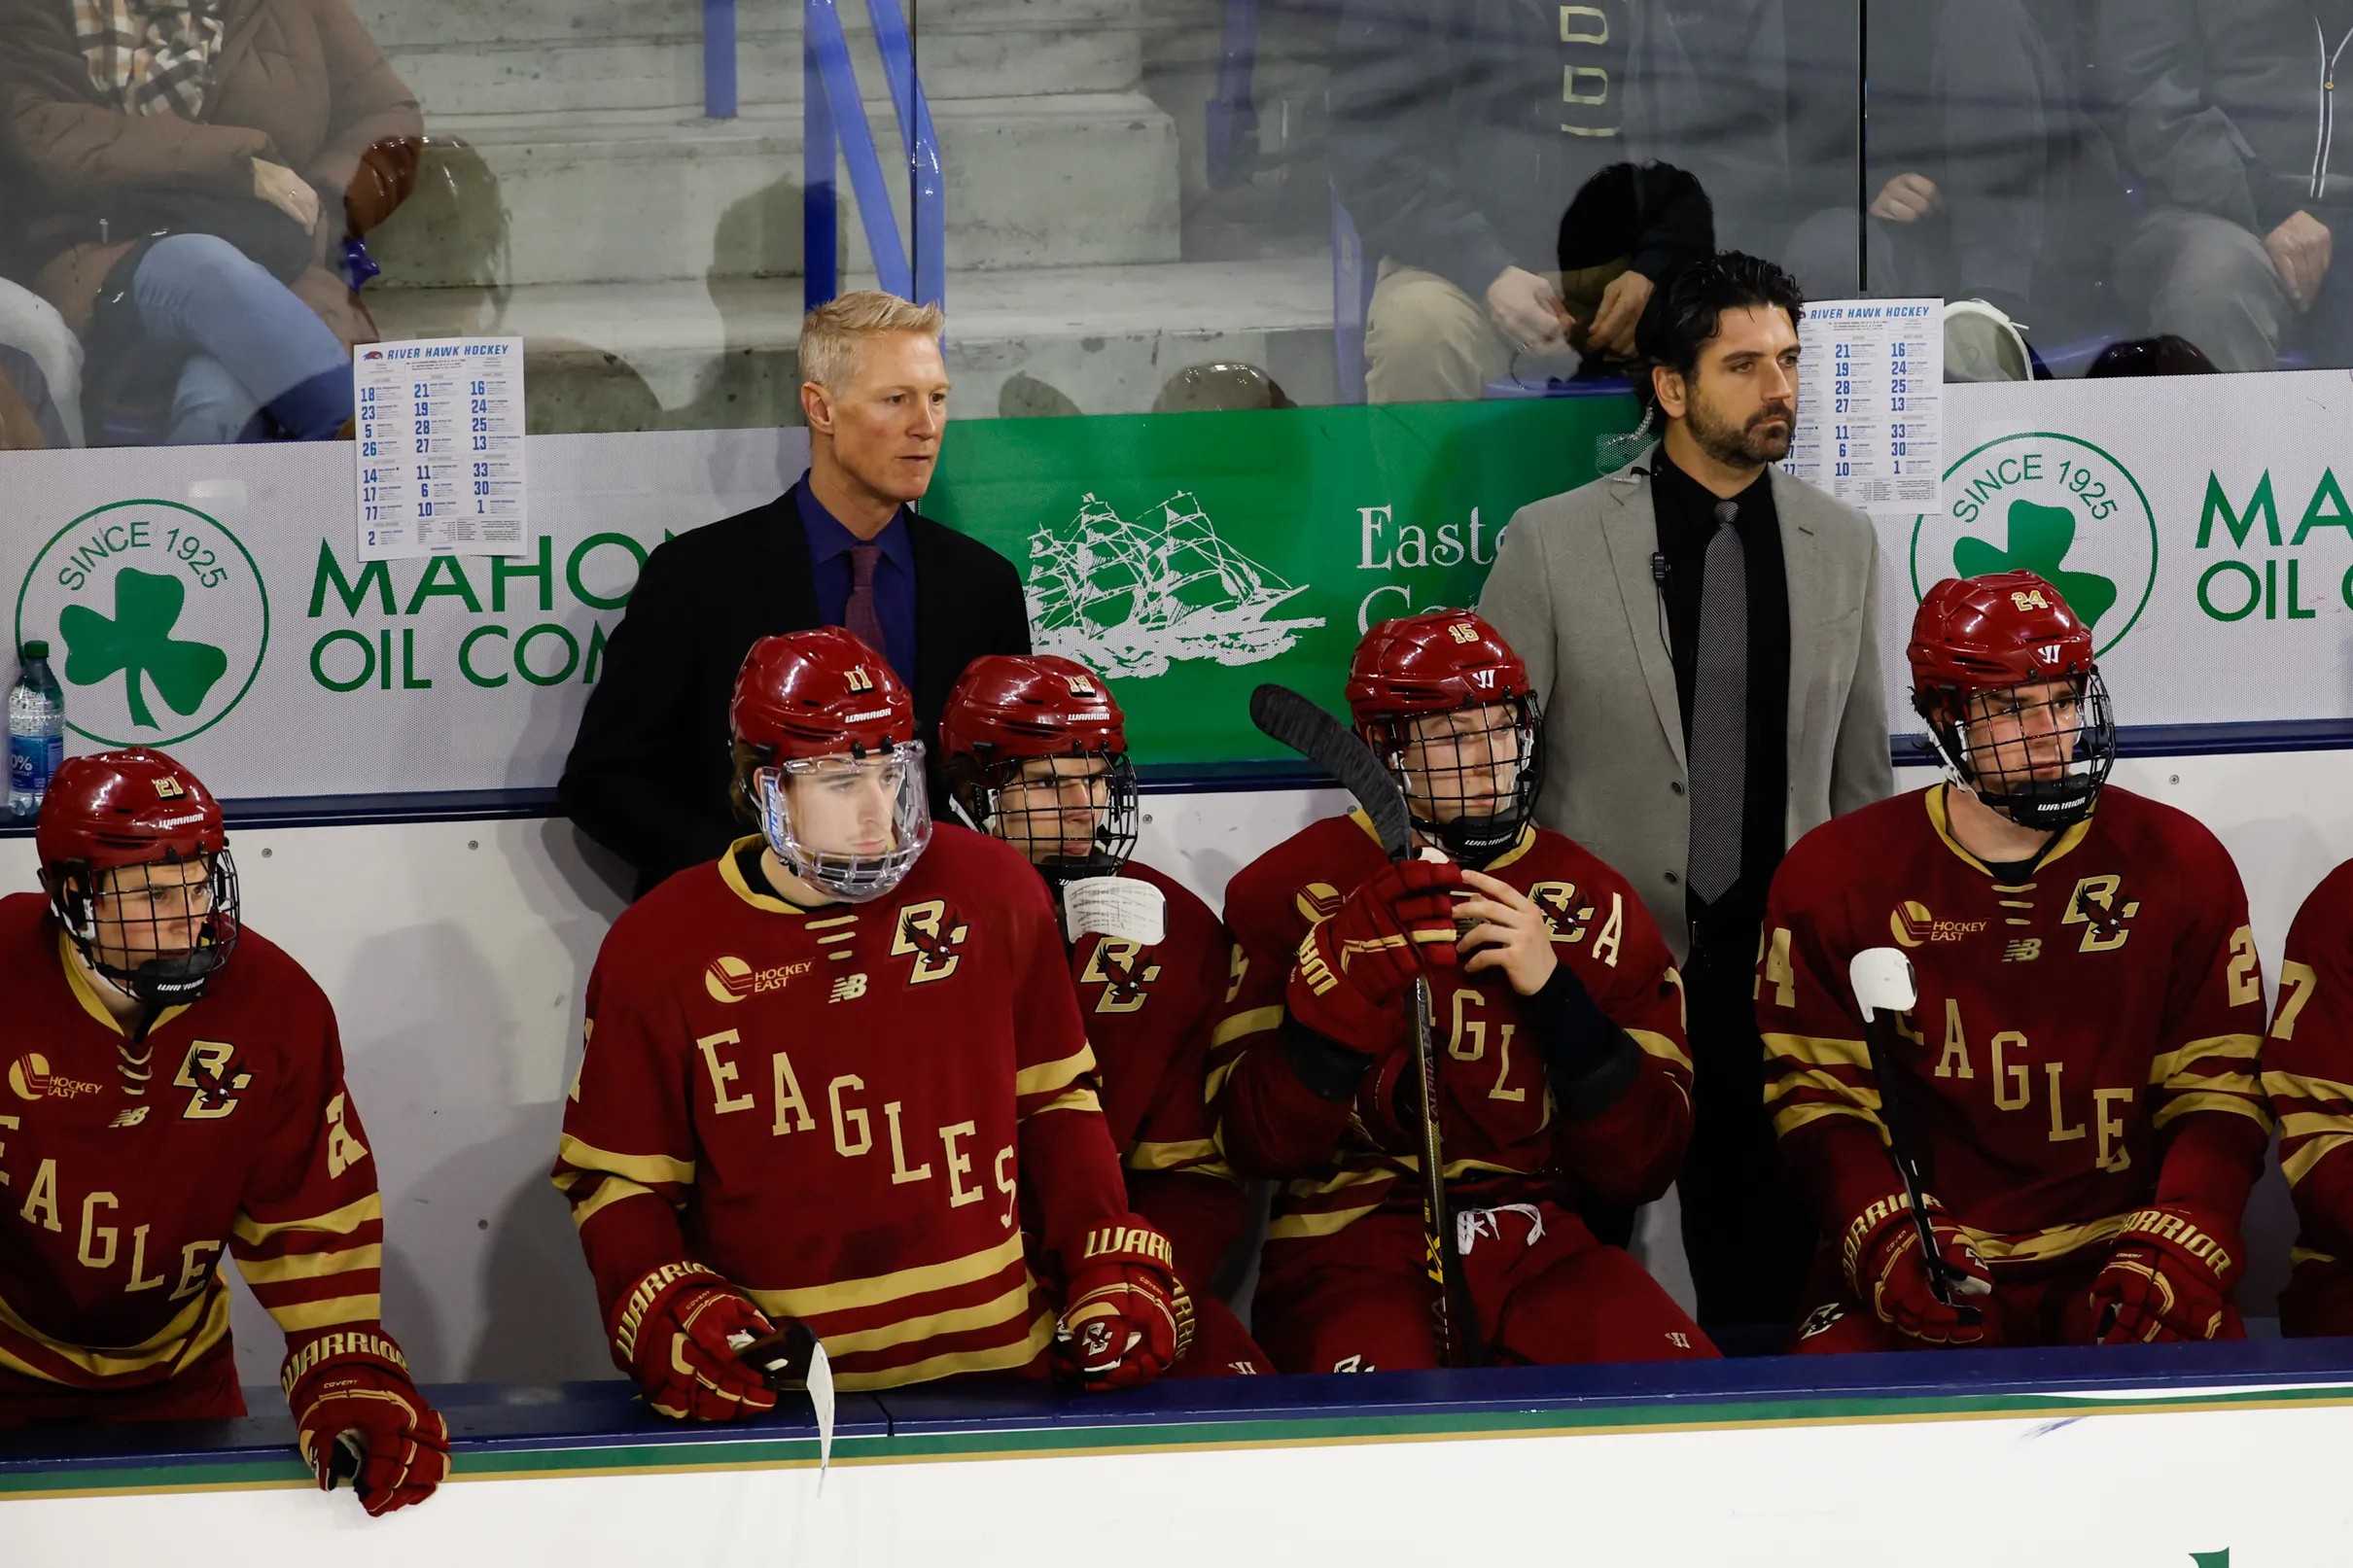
(1591, 1060)
(1329, 1070)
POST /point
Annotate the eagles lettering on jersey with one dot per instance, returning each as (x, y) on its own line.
(121, 1197)
(853, 1141)
(1504, 1136)
(2045, 1098)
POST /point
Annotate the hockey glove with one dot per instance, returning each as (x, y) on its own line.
(675, 1332)
(350, 1393)
(2169, 1277)
(1887, 1273)
(1351, 968)
(1126, 1317)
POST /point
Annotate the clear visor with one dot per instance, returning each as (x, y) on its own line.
(851, 827)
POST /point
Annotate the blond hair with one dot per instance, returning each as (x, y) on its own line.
(831, 335)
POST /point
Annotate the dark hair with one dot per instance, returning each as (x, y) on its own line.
(1687, 309)
(2170, 355)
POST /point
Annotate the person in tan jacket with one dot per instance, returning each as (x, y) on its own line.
(196, 170)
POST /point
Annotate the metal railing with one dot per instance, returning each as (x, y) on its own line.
(833, 117)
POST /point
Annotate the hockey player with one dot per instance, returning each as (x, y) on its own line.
(1036, 751)
(824, 1074)
(164, 1106)
(1559, 1020)
(2309, 1074)
(2077, 1072)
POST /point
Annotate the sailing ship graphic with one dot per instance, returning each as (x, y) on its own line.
(1131, 599)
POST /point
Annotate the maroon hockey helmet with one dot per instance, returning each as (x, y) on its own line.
(1010, 709)
(1424, 667)
(819, 693)
(819, 704)
(107, 813)
(1993, 638)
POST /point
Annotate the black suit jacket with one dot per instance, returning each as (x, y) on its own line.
(648, 773)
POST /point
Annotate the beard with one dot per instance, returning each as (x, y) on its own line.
(1742, 447)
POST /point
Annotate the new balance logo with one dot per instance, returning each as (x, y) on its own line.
(129, 1118)
(2026, 950)
(848, 989)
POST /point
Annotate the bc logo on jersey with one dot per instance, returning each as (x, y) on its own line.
(1119, 967)
(2098, 904)
(206, 1071)
(932, 933)
(1562, 911)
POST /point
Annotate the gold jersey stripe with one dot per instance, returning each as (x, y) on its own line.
(2219, 1047)
(310, 1264)
(2221, 1082)
(1249, 1022)
(1020, 1353)
(1661, 1046)
(1080, 1098)
(1053, 1077)
(2299, 1256)
(1789, 1118)
(2311, 1124)
(1293, 1227)
(302, 1317)
(1168, 1156)
(336, 1222)
(645, 1169)
(1820, 1081)
(732, 875)
(1818, 1050)
(193, 1330)
(876, 1289)
(1941, 820)
(1216, 1080)
(613, 1191)
(2296, 1167)
(1307, 1187)
(2050, 1242)
(2181, 1105)
(86, 991)
(1014, 1304)
(2296, 1086)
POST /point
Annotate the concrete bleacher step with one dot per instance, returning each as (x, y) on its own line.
(630, 197)
(462, 57)
(723, 353)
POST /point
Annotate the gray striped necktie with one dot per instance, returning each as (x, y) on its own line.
(1719, 713)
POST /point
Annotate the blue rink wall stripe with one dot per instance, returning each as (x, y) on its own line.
(1221, 777)
(589, 1428)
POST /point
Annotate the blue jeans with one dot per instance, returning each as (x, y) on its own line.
(254, 348)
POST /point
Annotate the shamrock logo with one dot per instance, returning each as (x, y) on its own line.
(2040, 538)
(138, 642)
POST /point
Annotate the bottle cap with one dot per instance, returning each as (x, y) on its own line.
(36, 649)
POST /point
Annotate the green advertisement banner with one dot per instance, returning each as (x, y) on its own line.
(1190, 557)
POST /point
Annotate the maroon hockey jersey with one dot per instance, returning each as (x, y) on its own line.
(2076, 1030)
(844, 1109)
(117, 1207)
(2308, 1071)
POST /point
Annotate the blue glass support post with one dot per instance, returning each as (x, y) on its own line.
(820, 203)
(838, 81)
(718, 58)
(926, 188)
(1233, 115)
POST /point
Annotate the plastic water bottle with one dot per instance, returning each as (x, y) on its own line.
(36, 731)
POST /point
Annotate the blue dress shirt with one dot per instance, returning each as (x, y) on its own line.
(829, 567)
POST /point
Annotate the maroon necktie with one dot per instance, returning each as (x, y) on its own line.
(859, 614)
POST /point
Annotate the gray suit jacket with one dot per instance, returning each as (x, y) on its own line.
(1572, 590)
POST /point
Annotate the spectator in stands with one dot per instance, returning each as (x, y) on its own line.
(40, 358)
(2227, 115)
(1701, 630)
(1992, 180)
(197, 170)
(650, 771)
(2151, 356)
(1461, 128)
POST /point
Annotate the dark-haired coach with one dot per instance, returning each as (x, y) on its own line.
(1702, 629)
(647, 777)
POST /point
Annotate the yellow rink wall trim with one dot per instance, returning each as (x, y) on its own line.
(623, 1456)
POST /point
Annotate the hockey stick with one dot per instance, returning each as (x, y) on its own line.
(1885, 988)
(1286, 716)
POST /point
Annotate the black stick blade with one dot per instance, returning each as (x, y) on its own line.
(1286, 716)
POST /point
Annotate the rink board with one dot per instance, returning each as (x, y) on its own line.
(2165, 1455)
